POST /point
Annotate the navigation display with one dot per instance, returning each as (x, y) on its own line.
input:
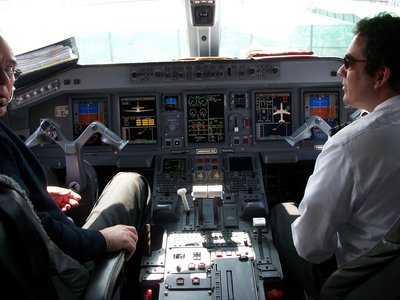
(273, 116)
(205, 118)
(86, 111)
(323, 104)
(138, 119)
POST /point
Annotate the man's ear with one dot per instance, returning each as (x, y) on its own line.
(382, 77)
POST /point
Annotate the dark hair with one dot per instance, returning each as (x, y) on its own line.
(383, 45)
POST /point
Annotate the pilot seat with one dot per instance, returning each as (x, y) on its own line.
(34, 268)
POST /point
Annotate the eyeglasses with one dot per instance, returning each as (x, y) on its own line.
(12, 73)
(347, 61)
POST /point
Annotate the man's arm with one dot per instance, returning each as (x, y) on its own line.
(326, 205)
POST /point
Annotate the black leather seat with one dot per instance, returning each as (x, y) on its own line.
(27, 265)
(89, 194)
(373, 275)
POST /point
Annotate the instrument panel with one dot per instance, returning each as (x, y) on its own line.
(197, 107)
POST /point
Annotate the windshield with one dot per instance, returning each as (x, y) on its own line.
(118, 31)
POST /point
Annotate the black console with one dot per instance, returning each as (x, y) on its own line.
(210, 234)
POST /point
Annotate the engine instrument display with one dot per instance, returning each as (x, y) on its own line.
(205, 118)
(138, 119)
(273, 117)
(86, 111)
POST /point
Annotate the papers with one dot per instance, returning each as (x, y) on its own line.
(47, 56)
(262, 54)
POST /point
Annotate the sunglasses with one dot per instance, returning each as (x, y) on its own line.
(348, 61)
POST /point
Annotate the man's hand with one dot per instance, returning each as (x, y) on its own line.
(121, 237)
(65, 198)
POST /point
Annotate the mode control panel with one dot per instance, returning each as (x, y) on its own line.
(204, 71)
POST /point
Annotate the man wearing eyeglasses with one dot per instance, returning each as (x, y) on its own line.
(9, 74)
(121, 208)
(353, 196)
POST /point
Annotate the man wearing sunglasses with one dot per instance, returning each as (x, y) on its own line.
(353, 196)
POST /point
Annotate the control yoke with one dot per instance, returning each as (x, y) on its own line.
(304, 131)
(107, 136)
(75, 174)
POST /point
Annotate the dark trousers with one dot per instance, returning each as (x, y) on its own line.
(308, 275)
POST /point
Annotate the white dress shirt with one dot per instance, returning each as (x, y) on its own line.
(353, 196)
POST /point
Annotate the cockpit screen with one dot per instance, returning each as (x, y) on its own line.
(273, 117)
(205, 118)
(174, 165)
(86, 111)
(324, 105)
(240, 164)
(171, 102)
(138, 119)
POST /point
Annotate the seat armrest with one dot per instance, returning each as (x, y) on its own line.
(105, 279)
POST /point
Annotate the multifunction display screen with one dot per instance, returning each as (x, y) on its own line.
(205, 118)
(86, 111)
(323, 104)
(273, 116)
(240, 164)
(171, 102)
(174, 165)
(138, 119)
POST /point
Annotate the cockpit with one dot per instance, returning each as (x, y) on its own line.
(223, 105)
